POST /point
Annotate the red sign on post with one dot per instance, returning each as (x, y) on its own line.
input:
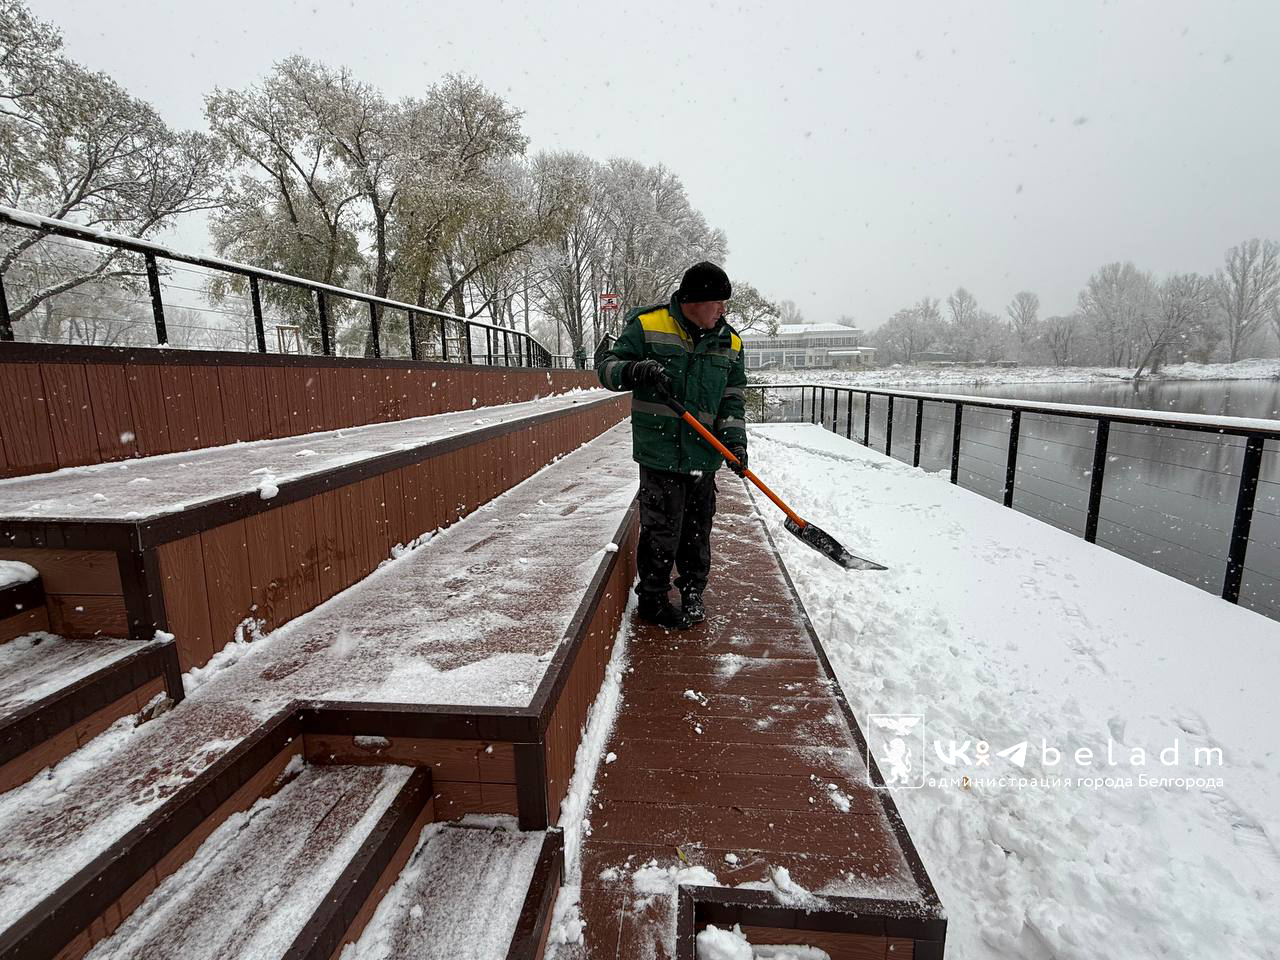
(610, 301)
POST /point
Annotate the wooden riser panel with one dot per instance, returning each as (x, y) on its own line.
(62, 413)
(279, 564)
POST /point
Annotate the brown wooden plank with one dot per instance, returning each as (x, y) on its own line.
(790, 760)
(313, 401)
(186, 600)
(66, 391)
(393, 507)
(20, 624)
(295, 392)
(206, 388)
(83, 616)
(227, 580)
(94, 572)
(180, 407)
(255, 388)
(150, 416)
(837, 945)
(112, 410)
(723, 670)
(762, 789)
(782, 831)
(330, 562)
(711, 729)
(303, 555)
(235, 403)
(276, 410)
(269, 568)
(24, 421)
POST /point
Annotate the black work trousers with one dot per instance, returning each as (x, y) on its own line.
(676, 510)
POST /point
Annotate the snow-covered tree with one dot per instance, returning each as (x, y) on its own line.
(1023, 311)
(1246, 289)
(1061, 338)
(1183, 304)
(749, 310)
(910, 331)
(1116, 304)
(75, 145)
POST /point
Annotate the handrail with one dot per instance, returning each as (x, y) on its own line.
(1256, 432)
(1234, 426)
(149, 249)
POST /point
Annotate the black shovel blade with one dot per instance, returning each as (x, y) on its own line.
(829, 547)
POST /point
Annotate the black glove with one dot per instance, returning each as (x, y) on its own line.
(740, 451)
(651, 374)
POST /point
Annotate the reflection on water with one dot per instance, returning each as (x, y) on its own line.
(1168, 497)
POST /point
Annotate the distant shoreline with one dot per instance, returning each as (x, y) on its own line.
(1254, 369)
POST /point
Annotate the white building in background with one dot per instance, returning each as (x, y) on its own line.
(802, 346)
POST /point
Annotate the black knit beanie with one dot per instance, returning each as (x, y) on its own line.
(704, 281)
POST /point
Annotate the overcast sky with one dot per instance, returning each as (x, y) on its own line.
(857, 155)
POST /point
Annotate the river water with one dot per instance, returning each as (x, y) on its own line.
(1168, 496)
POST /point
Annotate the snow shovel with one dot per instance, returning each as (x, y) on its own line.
(806, 532)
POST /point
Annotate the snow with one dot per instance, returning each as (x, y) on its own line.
(39, 664)
(566, 924)
(455, 621)
(1002, 629)
(458, 897)
(1253, 369)
(15, 571)
(178, 481)
(266, 869)
(716, 944)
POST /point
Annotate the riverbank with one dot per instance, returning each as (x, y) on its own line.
(899, 376)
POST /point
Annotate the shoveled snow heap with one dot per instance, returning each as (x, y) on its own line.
(1002, 629)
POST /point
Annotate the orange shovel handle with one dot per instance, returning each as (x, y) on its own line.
(720, 448)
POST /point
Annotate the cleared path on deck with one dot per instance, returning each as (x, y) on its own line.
(731, 742)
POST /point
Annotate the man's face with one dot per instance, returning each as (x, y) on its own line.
(704, 313)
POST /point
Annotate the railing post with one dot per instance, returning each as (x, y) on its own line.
(1011, 462)
(255, 296)
(802, 389)
(488, 347)
(373, 328)
(322, 307)
(848, 427)
(888, 430)
(6, 324)
(444, 339)
(822, 409)
(955, 444)
(1095, 479)
(413, 335)
(506, 350)
(835, 410)
(866, 420)
(157, 305)
(1249, 471)
(915, 456)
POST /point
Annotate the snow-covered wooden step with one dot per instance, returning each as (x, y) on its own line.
(284, 878)
(478, 890)
(56, 694)
(224, 542)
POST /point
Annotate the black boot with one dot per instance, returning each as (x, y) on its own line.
(657, 609)
(694, 612)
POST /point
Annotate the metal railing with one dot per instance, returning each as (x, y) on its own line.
(1021, 471)
(452, 338)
